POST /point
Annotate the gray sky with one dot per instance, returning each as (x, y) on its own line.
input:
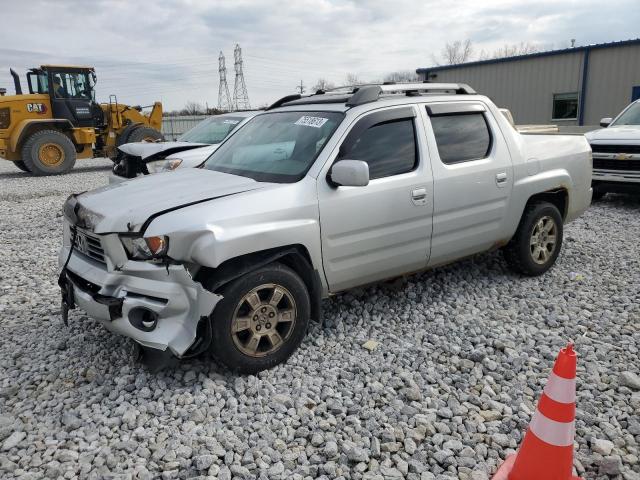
(168, 49)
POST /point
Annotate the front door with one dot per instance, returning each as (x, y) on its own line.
(71, 97)
(381, 230)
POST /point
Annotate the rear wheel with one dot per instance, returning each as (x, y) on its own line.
(20, 164)
(535, 247)
(261, 319)
(48, 152)
(144, 134)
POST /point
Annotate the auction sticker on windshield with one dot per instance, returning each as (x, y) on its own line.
(232, 122)
(308, 121)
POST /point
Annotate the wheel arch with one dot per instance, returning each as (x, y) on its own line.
(26, 128)
(559, 197)
(295, 256)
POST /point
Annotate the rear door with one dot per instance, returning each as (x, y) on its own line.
(473, 179)
(381, 230)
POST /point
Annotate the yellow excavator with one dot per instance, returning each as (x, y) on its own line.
(44, 131)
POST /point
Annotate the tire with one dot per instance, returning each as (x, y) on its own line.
(144, 134)
(538, 224)
(236, 350)
(48, 152)
(20, 164)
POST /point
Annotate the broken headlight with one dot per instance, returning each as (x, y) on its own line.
(145, 248)
(164, 165)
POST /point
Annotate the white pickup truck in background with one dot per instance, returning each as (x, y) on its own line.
(616, 153)
(316, 195)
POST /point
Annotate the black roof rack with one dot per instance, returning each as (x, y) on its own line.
(284, 100)
(361, 94)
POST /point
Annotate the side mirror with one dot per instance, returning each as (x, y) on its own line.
(350, 173)
(605, 122)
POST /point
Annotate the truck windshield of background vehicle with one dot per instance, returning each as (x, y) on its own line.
(631, 116)
(212, 130)
(276, 147)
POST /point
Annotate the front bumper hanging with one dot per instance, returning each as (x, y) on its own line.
(158, 306)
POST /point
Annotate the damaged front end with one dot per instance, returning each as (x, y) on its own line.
(155, 302)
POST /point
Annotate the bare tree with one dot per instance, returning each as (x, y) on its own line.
(521, 48)
(402, 76)
(454, 53)
(352, 79)
(322, 84)
(192, 108)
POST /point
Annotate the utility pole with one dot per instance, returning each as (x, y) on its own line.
(240, 95)
(300, 88)
(224, 99)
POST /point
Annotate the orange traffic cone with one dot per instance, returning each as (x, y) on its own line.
(546, 452)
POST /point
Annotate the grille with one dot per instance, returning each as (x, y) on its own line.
(628, 165)
(615, 148)
(88, 245)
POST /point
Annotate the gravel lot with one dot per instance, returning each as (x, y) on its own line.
(462, 357)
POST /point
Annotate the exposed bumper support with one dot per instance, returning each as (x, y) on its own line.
(157, 306)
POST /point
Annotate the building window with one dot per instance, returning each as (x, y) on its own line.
(461, 137)
(565, 106)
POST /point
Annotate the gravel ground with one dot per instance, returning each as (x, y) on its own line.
(462, 357)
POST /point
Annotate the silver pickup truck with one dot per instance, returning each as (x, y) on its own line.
(316, 195)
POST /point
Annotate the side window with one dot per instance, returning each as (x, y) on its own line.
(461, 137)
(389, 148)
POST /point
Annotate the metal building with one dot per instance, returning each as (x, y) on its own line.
(570, 87)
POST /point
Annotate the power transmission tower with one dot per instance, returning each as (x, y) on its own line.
(300, 88)
(240, 95)
(224, 99)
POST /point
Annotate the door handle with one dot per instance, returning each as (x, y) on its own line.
(419, 194)
(501, 178)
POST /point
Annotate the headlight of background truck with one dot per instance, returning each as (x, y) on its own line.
(164, 165)
(140, 248)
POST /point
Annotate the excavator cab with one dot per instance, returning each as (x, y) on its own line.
(71, 91)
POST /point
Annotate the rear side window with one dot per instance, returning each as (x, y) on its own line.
(461, 137)
(389, 148)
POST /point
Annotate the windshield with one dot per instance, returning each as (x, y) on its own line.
(276, 147)
(212, 130)
(72, 85)
(631, 116)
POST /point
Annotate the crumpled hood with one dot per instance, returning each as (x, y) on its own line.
(145, 150)
(624, 133)
(126, 206)
(193, 158)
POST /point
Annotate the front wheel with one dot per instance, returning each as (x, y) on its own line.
(535, 247)
(261, 319)
(48, 152)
